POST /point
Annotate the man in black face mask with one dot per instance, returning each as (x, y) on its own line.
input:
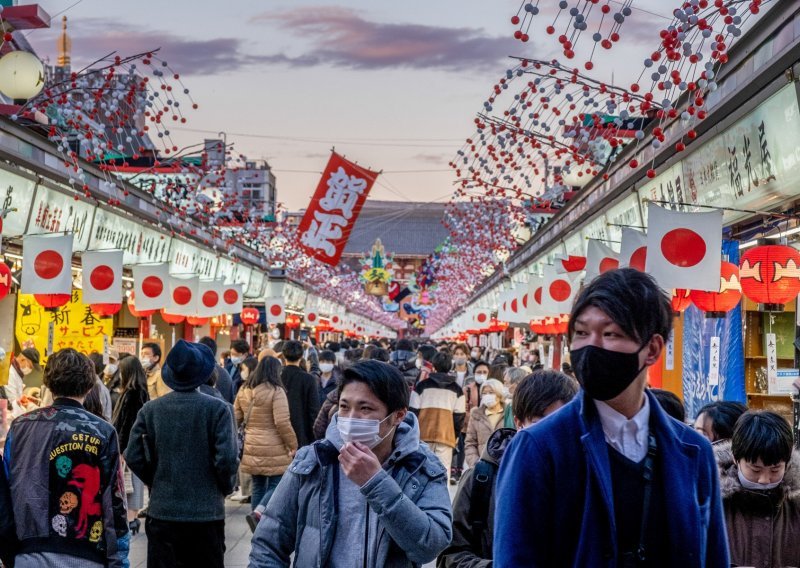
(610, 480)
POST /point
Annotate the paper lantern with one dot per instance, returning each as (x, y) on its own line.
(292, 321)
(171, 319)
(562, 324)
(770, 275)
(21, 75)
(680, 300)
(250, 316)
(105, 310)
(196, 321)
(52, 301)
(717, 304)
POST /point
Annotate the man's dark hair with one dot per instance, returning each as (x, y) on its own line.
(723, 415)
(539, 390)
(428, 352)
(385, 382)
(367, 353)
(327, 356)
(764, 435)
(155, 348)
(380, 354)
(404, 345)
(442, 362)
(481, 364)
(97, 360)
(92, 402)
(633, 301)
(334, 346)
(210, 343)
(69, 373)
(671, 404)
(241, 346)
(293, 351)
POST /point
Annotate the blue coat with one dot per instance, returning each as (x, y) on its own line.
(555, 504)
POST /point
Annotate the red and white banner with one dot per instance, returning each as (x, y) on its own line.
(101, 276)
(558, 292)
(633, 251)
(479, 318)
(276, 310)
(684, 248)
(332, 213)
(151, 286)
(311, 317)
(232, 298)
(599, 259)
(570, 263)
(47, 264)
(209, 299)
(535, 290)
(183, 295)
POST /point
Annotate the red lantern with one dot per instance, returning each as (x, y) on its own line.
(770, 275)
(250, 316)
(105, 310)
(562, 324)
(171, 319)
(52, 301)
(196, 321)
(138, 313)
(292, 321)
(5, 274)
(680, 300)
(717, 304)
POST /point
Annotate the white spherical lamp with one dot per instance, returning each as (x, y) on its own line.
(21, 75)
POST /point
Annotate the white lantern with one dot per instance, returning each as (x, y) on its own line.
(21, 75)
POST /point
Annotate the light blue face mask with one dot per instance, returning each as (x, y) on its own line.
(755, 486)
(363, 430)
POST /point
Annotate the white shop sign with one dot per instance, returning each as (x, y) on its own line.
(225, 270)
(187, 258)
(255, 288)
(16, 192)
(141, 244)
(625, 213)
(54, 211)
(667, 186)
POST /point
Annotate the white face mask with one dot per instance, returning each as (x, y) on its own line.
(245, 373)
(419, 363)
(110, 369)
(476, 354)
(145, 362)
(27, 370)
(237, 360)
(460, 361)
(363, 430)
(754, 486)
(489, 400)
(326, 367)
(481, 378)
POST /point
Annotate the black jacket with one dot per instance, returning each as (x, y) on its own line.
(127, 408)
(302, 392)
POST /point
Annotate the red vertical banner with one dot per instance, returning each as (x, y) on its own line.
(329, 219)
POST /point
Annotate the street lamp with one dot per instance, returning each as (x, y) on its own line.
(21, 76)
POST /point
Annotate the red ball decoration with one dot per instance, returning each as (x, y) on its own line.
(250, 316)
(770, 275)
(52, 301)
(138, 313)
(196, 321)
(105, 310)
(171, 319)
(717, 304)
(680, 300)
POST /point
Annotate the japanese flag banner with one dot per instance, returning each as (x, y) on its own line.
(633, 250)
(517, 304)
(209, 294)
(570, 263)
(276, 310)
(535, 289)
(311, 317)
(558, 292)
(47, 264)
(684, 249)
(101, 277)
(332, 213)
(151, 286)
(183, 295)
(479, 318)
(232, 298)
(599, 259)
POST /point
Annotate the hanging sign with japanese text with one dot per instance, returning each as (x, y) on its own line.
(772, 358)
(16, 197)
(713, 362)
(74, 325)
(186, 258)
(333, 211)
(54, 212)
(139, 243)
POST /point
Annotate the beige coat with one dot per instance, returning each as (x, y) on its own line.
(156, 387)
(268, 437)
(478, 432)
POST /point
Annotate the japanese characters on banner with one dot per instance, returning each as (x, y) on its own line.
(47, 264)
(276, 311)
(186, 258)
(183, 295)
(16, 198)
(332, 213)
(55, 212)
(713, 362)
(101, 276)
(140, 244)
(772, 359)
(684, 248)
(151, 286)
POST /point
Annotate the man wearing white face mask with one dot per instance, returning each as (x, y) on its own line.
(760, 486)
(369, 494)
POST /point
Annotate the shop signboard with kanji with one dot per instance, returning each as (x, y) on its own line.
(334, 209)
(186, 258)
(16, 197)
(74, 325)
(54, 212)
(140, 244)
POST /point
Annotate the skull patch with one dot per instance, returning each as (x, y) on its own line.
(59, 524)
(67, 502)
(63, 466)
(96, 532)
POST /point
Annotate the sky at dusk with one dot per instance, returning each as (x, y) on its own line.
(392, 85)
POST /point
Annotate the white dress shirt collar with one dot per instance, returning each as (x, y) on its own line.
(628, 437)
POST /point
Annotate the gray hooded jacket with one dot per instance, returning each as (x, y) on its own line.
(409, 500)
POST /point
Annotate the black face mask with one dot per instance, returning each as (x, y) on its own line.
(604, 374)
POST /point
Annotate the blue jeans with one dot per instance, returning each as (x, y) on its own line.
(263, 488)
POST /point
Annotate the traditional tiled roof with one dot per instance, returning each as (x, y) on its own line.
(405, 228)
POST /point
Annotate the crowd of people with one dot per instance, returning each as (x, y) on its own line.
(346, 453)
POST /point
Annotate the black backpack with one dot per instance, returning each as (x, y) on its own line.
(482, 486)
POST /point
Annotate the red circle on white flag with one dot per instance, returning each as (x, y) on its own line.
(608, 263)
(481, 317)
(102, 277)
(525, 301)
(683, 248)
(231, 296)
(537, 295)
(48, 264)
(210, 299)
(639, 259)
(152, 286)
(275, 310)
(560, 290)
(514, 305)
(312, 317)
(182, 295)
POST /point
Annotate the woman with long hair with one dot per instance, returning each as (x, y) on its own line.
(133, 396)
(269, 440)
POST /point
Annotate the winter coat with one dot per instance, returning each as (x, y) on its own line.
(472, 399)
(330, 386)
(439, 404)
(156, 387)
(561, 470)
(125, 412)
(62, 479)
(329, 408)
(763, 526)
(268, 435)
(409, 496)
(302, 392)
(478, 433)
(463, 551)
